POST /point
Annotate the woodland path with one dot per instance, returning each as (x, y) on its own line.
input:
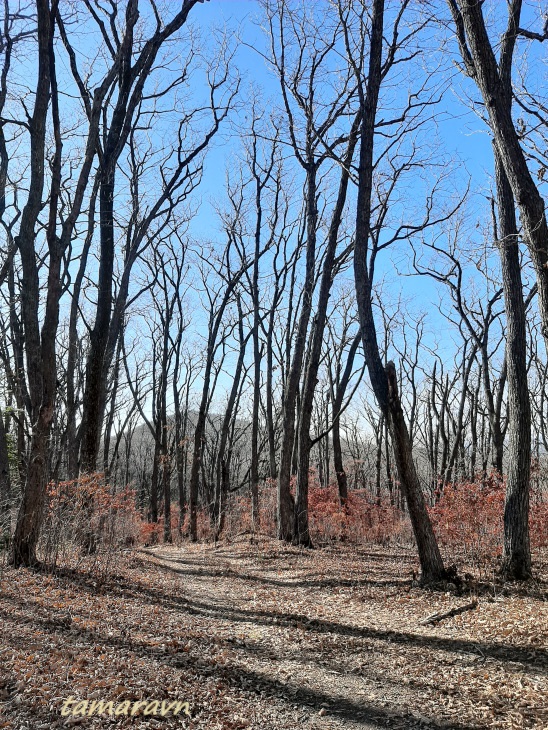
(268, 637)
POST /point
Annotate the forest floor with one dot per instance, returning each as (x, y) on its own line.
(268, 637)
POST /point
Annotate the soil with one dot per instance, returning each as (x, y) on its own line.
(253, 634)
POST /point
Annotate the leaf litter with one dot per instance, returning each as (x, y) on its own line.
(254, 634)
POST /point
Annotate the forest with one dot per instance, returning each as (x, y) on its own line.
(273, 363)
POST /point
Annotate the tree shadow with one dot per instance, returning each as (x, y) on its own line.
(536, 588)
(192, 568)
(532, 660)
(247, 680)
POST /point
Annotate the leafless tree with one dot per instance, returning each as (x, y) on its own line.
(514, 184)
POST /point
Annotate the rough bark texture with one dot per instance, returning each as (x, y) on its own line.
(517, 550)
(285, 501)
(40, 350)
(430, 557)
(5, 481)
(482, 66)
(104, 334)
(384, 381)
(514, 183)
(517, 547)
(94, 395)
(257, 356)
(273, 471)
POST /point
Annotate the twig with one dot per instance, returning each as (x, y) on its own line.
(440, 615)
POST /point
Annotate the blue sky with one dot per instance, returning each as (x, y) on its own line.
(462, 135)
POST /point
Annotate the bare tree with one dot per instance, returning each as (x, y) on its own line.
(384, 380)
(341, 343)
(493, 80)
(302, 58)
(218, 302)
(179, 173)
(39, 342)
(514, 182)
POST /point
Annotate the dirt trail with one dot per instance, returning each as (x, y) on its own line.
(337, 637)
(270, 638)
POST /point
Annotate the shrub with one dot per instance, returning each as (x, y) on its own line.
(469, 515)
(362, 519)
(88, 505)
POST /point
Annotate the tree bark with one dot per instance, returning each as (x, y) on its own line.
(481, 65)
(39, 347)
(132, 78)
(301, 533)
(384, 381)
(514, 183)
(285, 502)
(5, 480)
(222, 471)
(338, 397)
(517, 549)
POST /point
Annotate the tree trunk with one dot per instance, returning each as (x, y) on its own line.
(197, 454)
(481, 65)
(301, 533)
(431, 562)
(39, 345)
(285, 501)
(384, 381)
(340, 390)
(378, 464)
(342, 479)
(154, 480)
(514, 183)
(180, 445)
(517, 549)
(222, 471)
(166, 488)
(133, 71)
(254, 469)
(5, 480)
(270, 399)
(95, 389)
